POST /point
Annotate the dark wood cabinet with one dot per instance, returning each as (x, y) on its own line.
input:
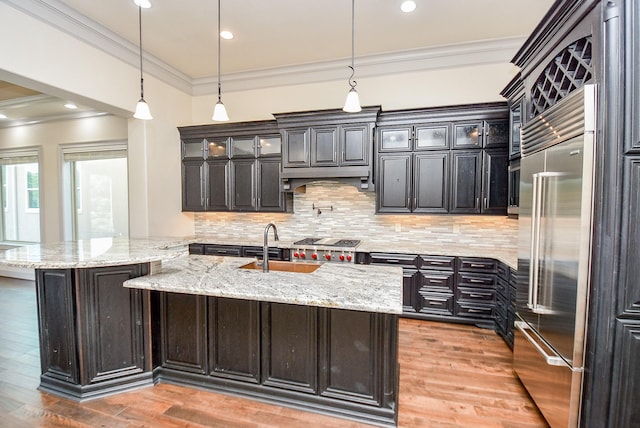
(394, 183)
(237, 168)
(234, 339)
(443, 288)
(466, 182)
(327, 144)
(290, 347)
(442, 178)
(319, 359)
(495, 181)
(94, 332)
(184, 336)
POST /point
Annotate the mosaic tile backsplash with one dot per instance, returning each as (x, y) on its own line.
(344, 212)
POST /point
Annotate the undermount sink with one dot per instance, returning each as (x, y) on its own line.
(283, 266)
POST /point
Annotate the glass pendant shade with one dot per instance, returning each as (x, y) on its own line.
(352, 104)
(220, 112)
(142, 110)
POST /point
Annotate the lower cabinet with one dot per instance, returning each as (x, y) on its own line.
(319, 359)
(93, 331)
(467, 290)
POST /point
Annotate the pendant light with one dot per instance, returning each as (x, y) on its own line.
(352, 104)
(142, 108)
(219, 112)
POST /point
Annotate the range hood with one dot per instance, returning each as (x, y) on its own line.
(328, 145)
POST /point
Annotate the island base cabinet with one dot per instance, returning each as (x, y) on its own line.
(94, 333)
(338, 362)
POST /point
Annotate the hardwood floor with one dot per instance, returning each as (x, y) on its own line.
(450, 376)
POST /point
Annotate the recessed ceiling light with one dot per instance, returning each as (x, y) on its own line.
(408, 6)
(3, 116)
(227, 35)
(71, 106)
(145, 4)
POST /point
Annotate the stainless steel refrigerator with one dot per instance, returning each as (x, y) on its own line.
(554, 250)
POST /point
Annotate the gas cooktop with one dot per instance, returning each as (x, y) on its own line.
(328, 242)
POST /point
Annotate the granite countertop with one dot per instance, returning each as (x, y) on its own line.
(95, 253)
(333, 285)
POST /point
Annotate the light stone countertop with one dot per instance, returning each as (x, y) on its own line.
(343, 286)
(95, 252)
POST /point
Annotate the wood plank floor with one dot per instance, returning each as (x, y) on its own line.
(450, 376)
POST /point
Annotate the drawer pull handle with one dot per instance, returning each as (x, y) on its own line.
(438, 263)
(479, 295)
(477, 281)
(478, 265)
(477, 311)
(434, 303)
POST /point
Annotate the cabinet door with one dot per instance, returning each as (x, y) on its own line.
(193, 148)
(431, 182)
(496, 182)
(394, 139)
(466, 181)
(243, 147)
(112, 324)
(496, 133)
(394, 183)
(234, 339)
(431, 137)
(290, 347)
(467, 135)
(324, 146)
(515, 123)
(217, 189)
(296, 148)
(243, 184)
(183, 332)
(355, 141)
(193, 185)
(411, 281)
(56, 319)
(270, 198)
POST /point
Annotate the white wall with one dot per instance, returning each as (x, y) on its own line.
(53, 61)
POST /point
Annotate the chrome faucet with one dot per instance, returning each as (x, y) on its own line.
(265, 247)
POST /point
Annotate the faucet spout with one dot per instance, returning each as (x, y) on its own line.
(265, 247)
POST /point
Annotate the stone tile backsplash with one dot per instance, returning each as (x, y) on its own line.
(344, 212)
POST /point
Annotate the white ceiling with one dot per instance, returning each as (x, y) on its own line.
(181, 36)
(278, 33)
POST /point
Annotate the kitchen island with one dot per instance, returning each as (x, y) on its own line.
(324, 341)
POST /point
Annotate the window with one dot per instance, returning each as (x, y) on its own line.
(95, 196)
(20, 216)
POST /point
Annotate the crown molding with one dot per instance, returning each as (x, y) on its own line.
(66, 19)
(446, 56)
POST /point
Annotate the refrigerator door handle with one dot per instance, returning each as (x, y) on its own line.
(550, 359)
(532, 301)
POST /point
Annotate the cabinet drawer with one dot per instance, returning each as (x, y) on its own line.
(503, 271)
(440, 263)
(222, 250)
(436, 303)
(196, 248)
(476, 280)
(468, 310)
(468, 264)
(409, 260)
(438, 280)
(274, 253)
(502, 288)
(480, 295)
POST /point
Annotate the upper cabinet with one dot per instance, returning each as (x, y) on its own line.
(232, 167)
(443, 160)
(327, 144)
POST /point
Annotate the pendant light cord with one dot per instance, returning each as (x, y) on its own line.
(140, 34)
(352, 82)
(219, 85)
